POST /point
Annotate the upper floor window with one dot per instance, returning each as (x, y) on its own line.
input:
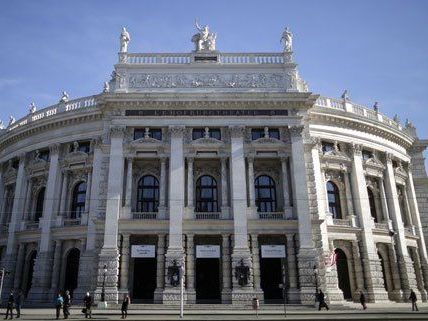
(265, 194)
(206, 132)
(333, 196)
(327, 147)
(78, 200)
(39, 204)
(257, 133)
(367, 154)
(148, 194)
(372, 203)
(44, 154)
(206, 194)
(155, 133)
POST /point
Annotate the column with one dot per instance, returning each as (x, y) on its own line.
(19, 266)
(56, 268)
(43, 265)
(109, 255)
(396, 290)
(256, 264)
(128, 199)
(162, 188)
(27, 207)
(241, 251)
(225, 260)
(88, 192)
(293, 293)
(2, 195)
(348, 193)
(251, 190)
(190, 269)
(372, 266)
(176, 209)
(160, 268)
(190, 189)
(307, 255)
(285, 184)
(224, 189)
(359, 272)
(407, 275)
(64, 193)
(124, 264)
(383, 202)
(407, 209)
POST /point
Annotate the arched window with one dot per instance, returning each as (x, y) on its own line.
(148, 194)
(265, 194)
(372, 204)
(39, 204)
(78, 200)
(334, 200)
(206, 194)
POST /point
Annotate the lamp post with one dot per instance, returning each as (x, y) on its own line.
(103, 289)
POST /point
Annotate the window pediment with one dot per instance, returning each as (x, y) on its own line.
(266, 141)
(146, 140)
(207, 141)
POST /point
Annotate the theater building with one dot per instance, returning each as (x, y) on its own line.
(224, 165)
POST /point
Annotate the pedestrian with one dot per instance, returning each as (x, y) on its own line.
(18, 304)
(125, 303)
(9, 306)
(87, 301)
(321, 299)
(59, 303)
(413, 298)
(363, 300)
(66, 305)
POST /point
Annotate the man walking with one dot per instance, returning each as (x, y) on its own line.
(18, 304)
(67, 304)
(413, 298)
(87, 301)
(9, 307)
(321, 299)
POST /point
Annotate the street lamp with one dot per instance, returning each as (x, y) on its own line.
(103, 289)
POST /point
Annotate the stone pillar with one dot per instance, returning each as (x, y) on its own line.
(224, 189)
(307, 255)
(43, 265)
(28, 215)
(190, 187)
(419, 276)
(395, 292)
(109, 255)
(162, 189)
(256, 266)
(2, 195)
(128, 197)
(176, 209)
(372, 266)
(359, 272)
(64, 192)
(241, 251)
(407, 210)
(285, 186)
(251, 181)
(293, 292)
(124, 264)
(160, 268)
(227, 277)
(348, 193)
(408, 279)
(19, 266)
(384, 204)
(190, 269)
(88, 192)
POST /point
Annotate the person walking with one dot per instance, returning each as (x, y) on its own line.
(9, 306)
(59, 302)
(18, 304)
(321, 299)
(125, 304)
(87, 301)
(66, 305)
(413, 298)
(363, 300)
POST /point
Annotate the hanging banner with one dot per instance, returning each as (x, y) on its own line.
(207, 251)
(143, 251)
(273, 251)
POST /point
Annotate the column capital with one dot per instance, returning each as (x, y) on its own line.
(290, 237)
(177, 131)
(388, 157)
(250, 159)
(237, 131)
(357, 149)
(97, 142)
(163, 159)
(129, 159)
(223, 160)
(54, 148)
(190, 159)
(296, 131)
(117, 131)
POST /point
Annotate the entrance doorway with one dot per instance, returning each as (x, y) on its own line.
(144, 284)
(72, 270)
(343, 274)
(270, 279)
(208, 280)
(30, 271)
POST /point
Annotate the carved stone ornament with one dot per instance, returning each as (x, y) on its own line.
(357, 149)
(388, 157)
(97, 142)
(117, 131)
(177, 131)
(207, 141)
(296, 131)
(237, 131)
(54, 149)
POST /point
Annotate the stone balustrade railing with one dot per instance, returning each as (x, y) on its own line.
(207, 215)
(356, 109)
(342, 222)
(381, 226)
(144, 215)
(71, 221)
(271, 215)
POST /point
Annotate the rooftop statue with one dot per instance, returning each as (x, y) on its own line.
(32, 109)
(345, 95)
(1, 124)
(106, 88)
(124, 40)
(65, 97)
(12, 120)
(204, 39)
(287, 40)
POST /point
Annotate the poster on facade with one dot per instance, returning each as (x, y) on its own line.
(143, 251)
(207, 251)
(273, 251)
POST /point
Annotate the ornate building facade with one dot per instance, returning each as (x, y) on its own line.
(224, 164)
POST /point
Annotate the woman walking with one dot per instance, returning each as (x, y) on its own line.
(125, 303)
(59, 302)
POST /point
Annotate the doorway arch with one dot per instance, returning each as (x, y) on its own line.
(343, 274)
(29, 271)
(71, 270)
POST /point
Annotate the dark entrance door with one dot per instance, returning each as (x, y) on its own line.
(31, 262)
(72, 270)
(208, 280)
(343, 274)
(270, 279)
(144, 280)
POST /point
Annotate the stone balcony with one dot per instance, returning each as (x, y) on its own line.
(144, 215)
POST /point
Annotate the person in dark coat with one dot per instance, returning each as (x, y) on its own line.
(413, 298)
(363, 300)
(67, 304)
(125, 304)
(9, 306)
(321, 299)
(59, 302)
(87, 301)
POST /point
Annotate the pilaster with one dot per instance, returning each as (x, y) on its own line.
(293, 291)
(226, 293)
(190, 269)
(160, 268)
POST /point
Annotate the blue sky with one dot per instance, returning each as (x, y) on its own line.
(375, 49)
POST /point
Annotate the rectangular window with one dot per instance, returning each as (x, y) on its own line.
(212, 133)
(257, 133)
(44, 154)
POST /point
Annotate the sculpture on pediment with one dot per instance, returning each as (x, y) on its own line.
(1, 124)
(64, 98)
(124, 40)
(396, 119)
(37, 154)
(204, 39)
(32, 109)
(345, 95)
(75, 147)
(287, 40)
(376, 107)
(106, 88)
(12, 120)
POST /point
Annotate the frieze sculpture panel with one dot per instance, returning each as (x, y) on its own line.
(210, 80)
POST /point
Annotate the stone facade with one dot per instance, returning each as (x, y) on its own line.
(229, 152)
